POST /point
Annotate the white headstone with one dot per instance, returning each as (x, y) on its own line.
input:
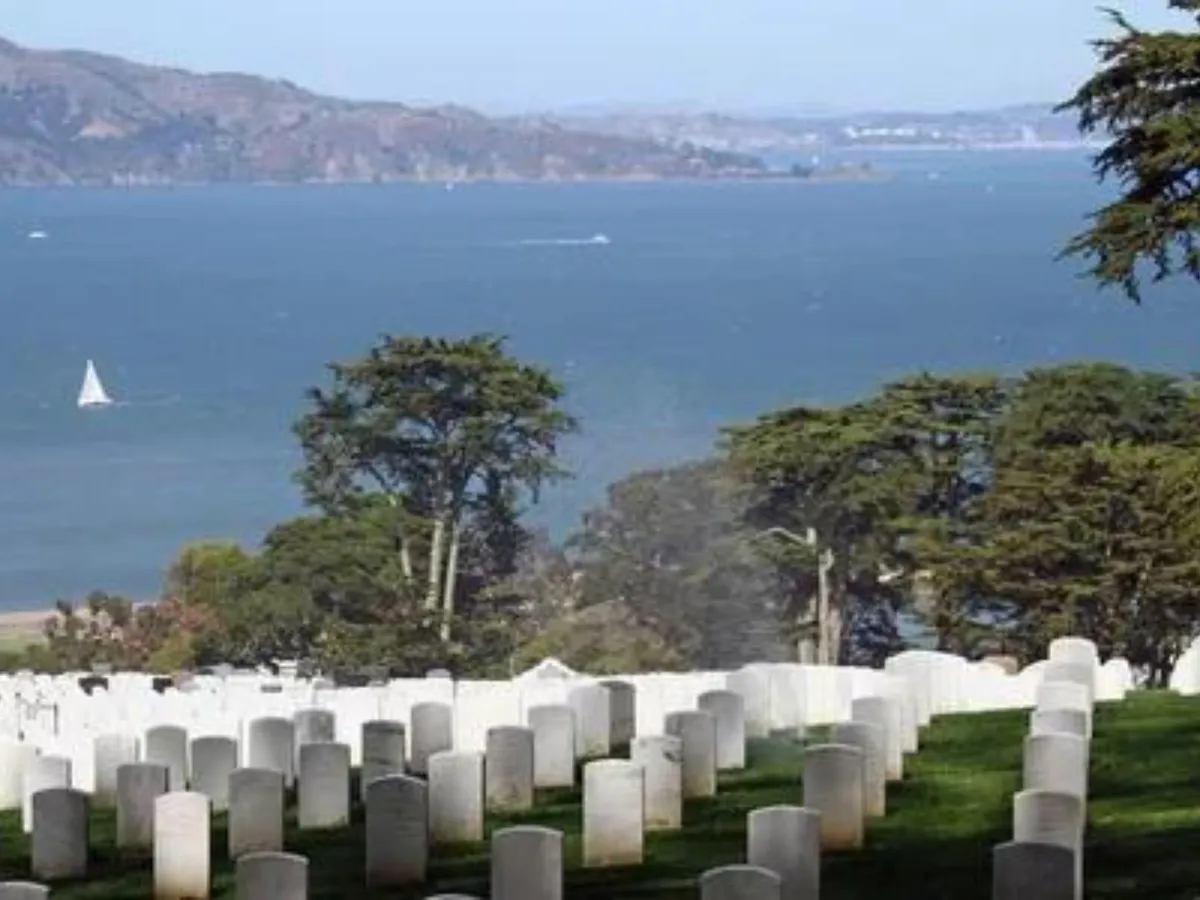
(661, 759)
(397, 831)
(593, 720)
(59, 848)
(553, 746)
(323, 795)
(456, 797)
(833, 787)
(255, 811)
(508, 768)
(527, 864)
(612, 813)
(181, 846)
(698, 732)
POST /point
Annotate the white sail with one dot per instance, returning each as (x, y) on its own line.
(92, 393)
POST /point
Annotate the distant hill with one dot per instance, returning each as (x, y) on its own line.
(72, 117)
(1029, 126)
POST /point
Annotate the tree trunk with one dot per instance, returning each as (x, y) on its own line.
(433, 593)
(406, 564)
(826, 651)
(450, 583)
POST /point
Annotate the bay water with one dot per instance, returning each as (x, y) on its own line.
(208, 312)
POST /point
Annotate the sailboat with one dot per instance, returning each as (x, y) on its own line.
(92, 392)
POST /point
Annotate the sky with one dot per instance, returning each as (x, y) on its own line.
(528, 55)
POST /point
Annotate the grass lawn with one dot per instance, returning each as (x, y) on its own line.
(935, 844)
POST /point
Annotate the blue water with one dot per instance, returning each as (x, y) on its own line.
(210, 310)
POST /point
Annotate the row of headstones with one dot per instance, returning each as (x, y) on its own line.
(1044, 859)
(527, 864)
(452, 812)
(620, 797)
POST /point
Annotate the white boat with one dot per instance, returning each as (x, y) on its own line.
(600, 239)
(92, 392)
(37, 235)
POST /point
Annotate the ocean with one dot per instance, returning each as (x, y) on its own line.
(208, 312)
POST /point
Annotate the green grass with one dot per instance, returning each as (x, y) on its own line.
(935, 844)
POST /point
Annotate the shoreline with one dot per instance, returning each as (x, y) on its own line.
(24, 624)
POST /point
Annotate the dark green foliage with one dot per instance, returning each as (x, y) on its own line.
(1001, 513)
(1146, 96)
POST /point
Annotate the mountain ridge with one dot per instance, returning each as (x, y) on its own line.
(78, 117)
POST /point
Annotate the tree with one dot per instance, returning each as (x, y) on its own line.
(603, 639)
(438, 429)
(1083, 527)
(208, 573)
(866, 478)
(671, 547)
(1100, 540)
(1146, 95)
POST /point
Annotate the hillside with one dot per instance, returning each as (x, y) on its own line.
(935, 842)
(72, 117)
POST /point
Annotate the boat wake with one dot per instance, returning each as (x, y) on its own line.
(142, 402)
(596, 240)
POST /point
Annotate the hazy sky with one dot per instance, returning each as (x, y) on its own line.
(532, 54)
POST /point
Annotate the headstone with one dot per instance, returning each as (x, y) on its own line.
(272, 876)
(879, 711)
(255, 811)
(314, 726)
(42, 773)
(397, 831)
(1050, 817)
(871, 741)
(754, 687)
(214, 759)
(181, 846)
(59, 848)
(1056, 762)
(698, 732)
(273, 746)
(455, 797)
(622, 705)
(1064, 695)
(527, 864)
(553, 746)
(167, 745)
(740, 883)
(139, 785)
(1009, 665)
(612, 813)
(593, 720)
(1026, 871)
(23, 890)
(15, 758)
(1060, 721)
(729, 710)
(383, 752)
(661, 759)
(833, 787)
(323, 795)
(110, 751)
(786, 840)
(432, 732)
(508, 768)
